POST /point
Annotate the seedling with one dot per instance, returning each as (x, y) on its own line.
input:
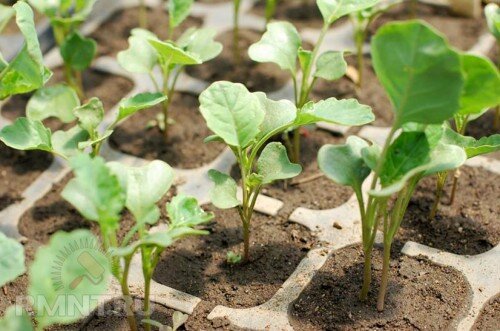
(481, 92)
(61, 101)
(492, 13)
(245, 122)
(146, 52)
(281, 44)
(76, 50)
(425, 89)
(101, 191)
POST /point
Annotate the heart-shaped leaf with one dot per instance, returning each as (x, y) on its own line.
(67, 142)
(472, 146)
(172, 54)
(223, 194)
(273, 164)
(78, 51)
(178, 10)
(278, 114)
(11, 259)
(331, 65)
(53, 101)
(140, 57)
(90, 115)
(184, 211)
(200, 42)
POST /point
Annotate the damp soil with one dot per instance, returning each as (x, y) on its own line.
(420, 296)
(197, 265)
(184, 147)
(489, 318)
(18, 169)
(266, 77)
(302, 14)
(468, 227)
(112, 36)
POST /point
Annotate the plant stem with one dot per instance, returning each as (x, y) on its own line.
(360, 40)
(129, 303)
(246, 242)
(385, 276)
(147, 300)
(143, 15)
(270, 9)
(496, 123)
(456, 175)
(441, 181)
(236, 33)
(367, 275)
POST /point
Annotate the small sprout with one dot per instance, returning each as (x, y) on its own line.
(233, 258)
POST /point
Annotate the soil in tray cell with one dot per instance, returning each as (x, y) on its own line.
(112, 36)
(197, 265)
(266, 77)
(420, 296)
(184, 147)
(489, 319)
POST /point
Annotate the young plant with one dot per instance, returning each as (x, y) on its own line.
(492, 13)
(281, 44)
(61, 101)
(146, 52)
(77, 51)
(270, 9)
(101, 191)
(424, 88)
(481, 92)
(246, 122)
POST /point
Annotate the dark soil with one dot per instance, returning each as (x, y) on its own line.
(421, 296)
(302, 14)
(18, 169)
(266, 77)
(462, 32)
(184, 148)
(470, 226)
(113, 35)
(489, 319)
(197, 265)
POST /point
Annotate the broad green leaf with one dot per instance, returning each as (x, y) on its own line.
(16, 319)
(95, 191)
(140, 57)
(331, 65)
(130, 106)
(66, 142)
(223, 194)
(170, 54)
(78, 51)
(423, 78)
(144, 187)
(331, 10)
(344, 112)
(67, 276)
(200, 42)
(344, 164)
(26, 134)
(90, 115)
(278, 114)
(280, 44)
(232, 112)
(445, 157)
(492, 13)
(11, 259)
(178, 10)
(184, 211)
(273, 164)
(53, 101)
(6, 13)
(472, 146)
(482, 85)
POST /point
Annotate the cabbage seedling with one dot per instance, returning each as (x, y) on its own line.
(101, 191)
(492, 13)
(425, 89)
(281, 44)
(76, 50)
(146, 52)
(245, 122)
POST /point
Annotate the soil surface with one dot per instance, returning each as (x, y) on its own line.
(266, 77)
(489, 319)
(197, 265)
(470, 226)
(420, 296)
(184, 148)
(113, 35)
(302, 14)
(18, 169)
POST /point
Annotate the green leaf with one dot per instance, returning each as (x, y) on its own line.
(231, 112)
(66, 142)
(278, 114)
(13, 321)
(53, 101)
(472, 146)
(223, 194)
(279, 44)
(130, 106)
(445, 157)
(331, 10)
(344, 164)
(97, 139)
(331, 65)
(273, 164)
(95, 191)
(140, 57)
(482, 85)
(305, 58)
(144, 187)
(66, 276)
(371, 155)
(6, 13)
(90, 115)
(423, 78)
(78, 51)
(184, 211)
(200, 42)
(178, 10)
(344, 112)
(11, 259)
(26, 134)
(492, 13)
(171, 54)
